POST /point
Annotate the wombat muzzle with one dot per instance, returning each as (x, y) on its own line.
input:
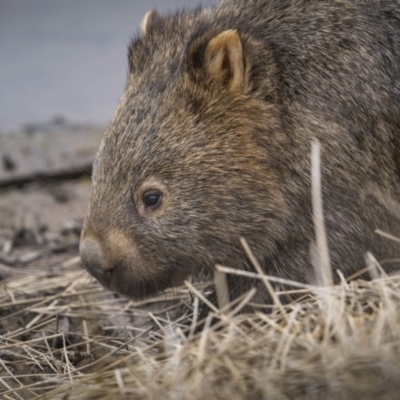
(91, 257)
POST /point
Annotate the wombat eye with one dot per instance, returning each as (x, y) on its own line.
(152, 199)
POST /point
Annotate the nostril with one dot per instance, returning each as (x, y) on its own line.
(93, 260)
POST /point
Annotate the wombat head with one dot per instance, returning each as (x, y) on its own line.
(193, 160)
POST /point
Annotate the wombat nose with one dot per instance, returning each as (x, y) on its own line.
(93, 260)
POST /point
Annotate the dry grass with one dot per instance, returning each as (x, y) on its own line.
(335, 342)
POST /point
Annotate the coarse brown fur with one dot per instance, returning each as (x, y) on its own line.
(218, 115)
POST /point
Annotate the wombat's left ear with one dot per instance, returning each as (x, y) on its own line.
(150, 21)
(223, 60)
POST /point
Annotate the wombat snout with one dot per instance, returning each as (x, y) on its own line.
(93, 261)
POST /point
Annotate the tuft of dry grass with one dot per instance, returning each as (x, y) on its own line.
(61, 346)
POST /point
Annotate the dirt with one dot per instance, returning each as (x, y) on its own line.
(42, 219)
(41, 212)
(57, 149)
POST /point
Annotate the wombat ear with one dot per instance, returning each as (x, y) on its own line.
(224, 60)
(150, 21)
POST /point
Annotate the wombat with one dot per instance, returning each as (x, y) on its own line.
(211, 142)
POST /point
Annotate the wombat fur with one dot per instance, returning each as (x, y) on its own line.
(211, 142)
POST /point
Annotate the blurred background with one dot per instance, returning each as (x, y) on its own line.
(67, 57)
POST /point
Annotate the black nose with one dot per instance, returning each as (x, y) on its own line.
(93, 260)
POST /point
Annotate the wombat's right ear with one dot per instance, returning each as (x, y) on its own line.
(222, 58)
(150, 21)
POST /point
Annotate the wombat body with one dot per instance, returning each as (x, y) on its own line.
(211, 142)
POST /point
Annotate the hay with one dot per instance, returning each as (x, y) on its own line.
(70, 339)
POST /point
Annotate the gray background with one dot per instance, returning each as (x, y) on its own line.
(67, 57)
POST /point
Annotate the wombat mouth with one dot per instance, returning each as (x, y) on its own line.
(137, 288)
